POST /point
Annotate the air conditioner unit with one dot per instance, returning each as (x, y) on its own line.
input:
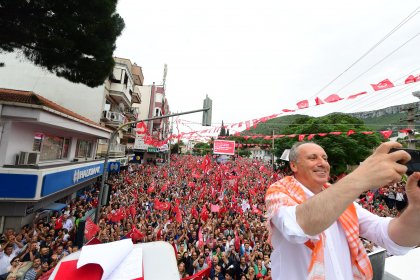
(28, 158)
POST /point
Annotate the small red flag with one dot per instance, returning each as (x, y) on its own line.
(318, 101)
(353, 96)
(302, 104)
(350, 132)
(333, 98)
(412, 79)
(287, 110)
(310, 137)
(301, 137)
(385, 84)
(386, 133)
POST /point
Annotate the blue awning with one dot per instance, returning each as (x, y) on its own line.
(55, 206)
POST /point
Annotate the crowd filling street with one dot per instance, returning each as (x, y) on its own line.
(211, 213)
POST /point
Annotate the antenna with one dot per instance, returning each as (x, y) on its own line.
(165, 72)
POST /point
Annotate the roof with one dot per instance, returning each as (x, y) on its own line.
(31, 98)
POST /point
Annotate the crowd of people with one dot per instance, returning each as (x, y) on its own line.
(212, 214)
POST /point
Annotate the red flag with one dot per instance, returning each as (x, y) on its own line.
(302, 104)
(350, 132)
(385, 84)
(310, 137)
(135, 234)
(194, 212)
(202, 274)
(386, 133)
(335, 132)
(287, 110)
(93, 241)
(318, 101)
(255, 210)
(353, 96)
(206, 162)
(367, 132)
(301, 137)
(204, 214)
(333, 98)
(178, 217)
(412, 79)
(141, 128)
(90, 229)
(322, 134)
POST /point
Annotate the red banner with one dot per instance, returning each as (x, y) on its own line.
(224, 147)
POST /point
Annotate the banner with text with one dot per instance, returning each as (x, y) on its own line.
(224, 147)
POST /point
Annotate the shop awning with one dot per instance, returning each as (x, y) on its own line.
(55, 206)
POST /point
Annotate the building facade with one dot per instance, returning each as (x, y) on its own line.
(47, 155)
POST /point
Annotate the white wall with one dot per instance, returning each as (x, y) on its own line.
(23, 75)
(146, 93)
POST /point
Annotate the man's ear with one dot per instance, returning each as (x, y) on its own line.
(293, 166)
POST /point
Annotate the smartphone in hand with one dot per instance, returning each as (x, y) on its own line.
(414, 164)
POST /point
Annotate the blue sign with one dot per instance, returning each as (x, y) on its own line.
(61, 180)
(114, 167)
(18, 185)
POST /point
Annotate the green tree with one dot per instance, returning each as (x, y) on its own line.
(74, 39)
(342, 150)
(202, 148)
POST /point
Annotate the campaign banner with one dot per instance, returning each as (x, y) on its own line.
(224, 147)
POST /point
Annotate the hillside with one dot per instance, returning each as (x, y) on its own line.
(387, 118)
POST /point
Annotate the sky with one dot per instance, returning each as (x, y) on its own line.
(255, 58)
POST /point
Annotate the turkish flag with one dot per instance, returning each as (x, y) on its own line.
(333, 98)
(301, 137)
(386, 133)
(141, 128)
(135, 234)
(302, 104)
(412, 79)
(385, 84)
(350, 132)
(310, 137)
(335, 132)
(90, 229)
(287, 110)
(322, 134)
(353, 96)
(214, 208)
(204, 214)
(318, 101)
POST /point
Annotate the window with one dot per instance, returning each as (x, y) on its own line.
(52, 147)
(84, 148)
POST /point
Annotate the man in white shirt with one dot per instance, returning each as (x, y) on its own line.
(315, 229)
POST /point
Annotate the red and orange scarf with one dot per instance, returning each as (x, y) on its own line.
(288, 192)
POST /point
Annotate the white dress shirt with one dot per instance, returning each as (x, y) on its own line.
(290, 258)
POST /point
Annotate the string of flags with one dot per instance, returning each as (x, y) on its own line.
(246, 125)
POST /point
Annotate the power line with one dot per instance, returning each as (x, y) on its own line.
(404, 21)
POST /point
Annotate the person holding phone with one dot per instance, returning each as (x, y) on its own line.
(315, 227)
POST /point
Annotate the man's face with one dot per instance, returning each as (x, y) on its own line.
(311, 168)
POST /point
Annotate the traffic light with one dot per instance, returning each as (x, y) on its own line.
(207, 113)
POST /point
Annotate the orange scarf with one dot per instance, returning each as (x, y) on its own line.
(288, 192)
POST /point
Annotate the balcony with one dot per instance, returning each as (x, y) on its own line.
(132, 113)
(130, 133)
(136, 96)
(117, 150)
(120, 93)
(112, 118)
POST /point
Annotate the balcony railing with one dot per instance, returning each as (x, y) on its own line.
(113, 118)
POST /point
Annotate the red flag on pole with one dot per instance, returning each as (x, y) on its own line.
(134, 234)
(385, 84)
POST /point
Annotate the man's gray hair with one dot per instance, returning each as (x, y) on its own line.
(293, 154)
